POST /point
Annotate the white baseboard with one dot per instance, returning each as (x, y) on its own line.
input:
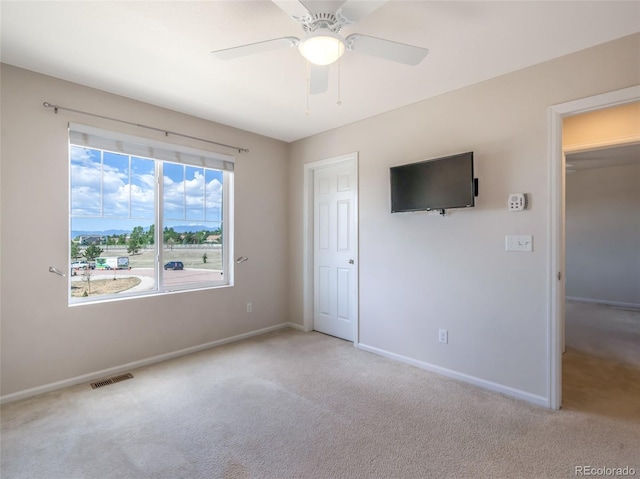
(299, 327)
(105, 373)
(618, 304)
(483, 383)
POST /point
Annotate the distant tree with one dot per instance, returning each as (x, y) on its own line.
(170, 234)
(75, 250)
(151, 234)
(137, 240)
(188, 238)
(133, 247)
(204, 258)
(122, 239)
(137, 231)
(92, 252)
(202, 236)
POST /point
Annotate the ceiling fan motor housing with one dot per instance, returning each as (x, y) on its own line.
(321, 20)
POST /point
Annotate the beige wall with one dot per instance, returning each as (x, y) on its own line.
(44, 340)
(420, 272)
(603, 234)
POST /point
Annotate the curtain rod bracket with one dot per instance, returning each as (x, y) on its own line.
(46, 104)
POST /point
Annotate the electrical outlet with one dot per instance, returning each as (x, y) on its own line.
(443, 336)
(249, 307)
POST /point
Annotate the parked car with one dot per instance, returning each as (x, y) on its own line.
(79, 265)
(174, 265)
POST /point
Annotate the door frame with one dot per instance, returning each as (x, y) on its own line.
(556, 240)
(307, 222)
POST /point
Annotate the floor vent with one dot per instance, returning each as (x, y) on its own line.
(111, 380)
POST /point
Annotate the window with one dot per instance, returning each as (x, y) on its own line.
(146, 217)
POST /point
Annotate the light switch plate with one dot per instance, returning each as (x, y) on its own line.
(519, 243)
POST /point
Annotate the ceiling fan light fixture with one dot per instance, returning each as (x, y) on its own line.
(322, 48)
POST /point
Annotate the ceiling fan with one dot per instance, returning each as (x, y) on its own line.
(322, 44)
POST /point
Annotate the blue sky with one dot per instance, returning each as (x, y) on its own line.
(117, 192)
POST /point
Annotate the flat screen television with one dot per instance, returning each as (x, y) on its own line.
(437, 184)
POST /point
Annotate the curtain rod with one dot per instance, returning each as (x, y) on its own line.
(46, 104)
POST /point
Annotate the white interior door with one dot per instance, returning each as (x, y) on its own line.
(335, 249)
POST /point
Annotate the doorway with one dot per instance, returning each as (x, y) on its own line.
(602, 223)
(331, 247)
(557, 225)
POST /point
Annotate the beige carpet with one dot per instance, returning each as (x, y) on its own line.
(296, 405)
(604, 331)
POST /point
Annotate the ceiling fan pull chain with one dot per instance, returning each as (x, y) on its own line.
(306, 112)
(339, 102)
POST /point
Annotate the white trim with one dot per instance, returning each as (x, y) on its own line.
(601, 144)
(221, 162)
(26, 393)
(555, 238)
(482, 383)
(618, 304)
(307, 239)
(142, 146)
(299, 327)
(228, 226)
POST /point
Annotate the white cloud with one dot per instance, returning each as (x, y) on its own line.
(85, 202)
(83, 156)
(113, 180)
(125, 195)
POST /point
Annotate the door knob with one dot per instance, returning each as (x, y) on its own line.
(351, 261)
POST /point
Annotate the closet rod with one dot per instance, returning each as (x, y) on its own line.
(46, 104)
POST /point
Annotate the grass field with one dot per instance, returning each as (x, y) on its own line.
(195, 270)
(191, 257)
(102, 286)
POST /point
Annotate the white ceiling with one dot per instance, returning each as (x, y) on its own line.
(159, 52)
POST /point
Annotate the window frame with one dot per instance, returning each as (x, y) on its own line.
(184, 155)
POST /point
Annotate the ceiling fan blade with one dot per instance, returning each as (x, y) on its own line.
(318, 78)
(322, 6)
(394, 51)
(258, 47)
(355, 10)
(293, 8)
